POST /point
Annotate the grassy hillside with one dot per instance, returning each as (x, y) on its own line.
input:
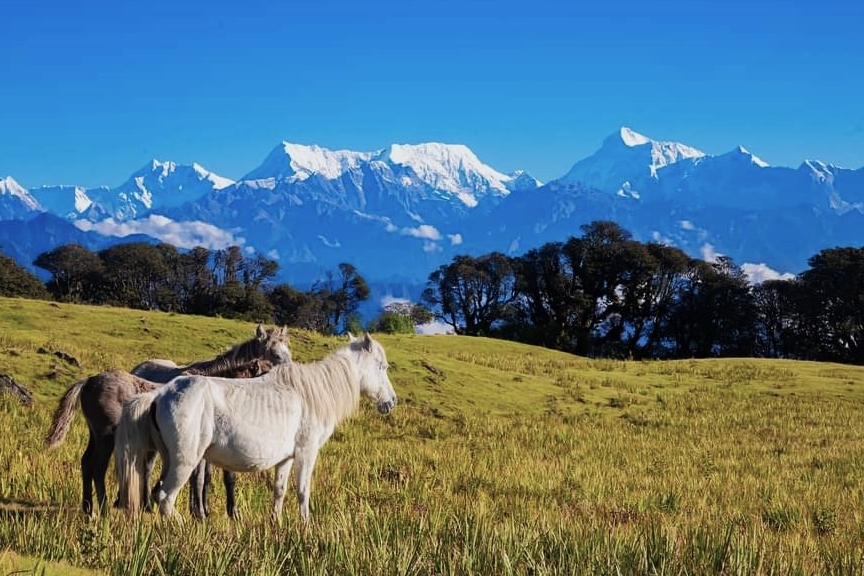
(500, 458)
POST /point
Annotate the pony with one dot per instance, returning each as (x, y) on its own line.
(247, 425)
(102, 397)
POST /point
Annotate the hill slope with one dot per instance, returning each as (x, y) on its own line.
(500, 458)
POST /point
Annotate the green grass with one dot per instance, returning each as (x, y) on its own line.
(500, 459)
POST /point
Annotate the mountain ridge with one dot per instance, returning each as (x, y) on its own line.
(402, 210)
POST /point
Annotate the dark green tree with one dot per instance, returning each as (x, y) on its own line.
(135, 276)
(715, 314)
(16, 280)
(341, 295)
(472, 295)
(834, 303)
(75, 272)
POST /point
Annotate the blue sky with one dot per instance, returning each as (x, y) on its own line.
(93, 90)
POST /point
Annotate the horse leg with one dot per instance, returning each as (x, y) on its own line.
(303, 478)
(101, 456)
(208, 474)
(197, 490)
(176, 475)
(283, 470)
(148, 496)
(87, 477)
(229, 479)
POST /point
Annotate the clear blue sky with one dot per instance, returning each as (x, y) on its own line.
(92, 90)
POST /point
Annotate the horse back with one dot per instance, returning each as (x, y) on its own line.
(102, 398)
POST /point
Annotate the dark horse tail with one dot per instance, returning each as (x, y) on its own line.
(64, 414)
(133, 439)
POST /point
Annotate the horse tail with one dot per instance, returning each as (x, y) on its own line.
(64, 414)
(131, 444)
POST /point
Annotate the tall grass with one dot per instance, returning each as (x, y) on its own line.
(500, 459)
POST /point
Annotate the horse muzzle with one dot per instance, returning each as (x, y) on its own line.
(386, 407)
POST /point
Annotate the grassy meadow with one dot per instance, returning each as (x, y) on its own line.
(499, 459)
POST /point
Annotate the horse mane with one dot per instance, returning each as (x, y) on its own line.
(329, 388)
(249, 369)
(239, 354)
(142, 385)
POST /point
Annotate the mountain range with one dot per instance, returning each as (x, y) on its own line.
(399, 212)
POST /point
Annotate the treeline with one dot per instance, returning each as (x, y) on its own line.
(601, 294)
(604, 294)
(227, 283)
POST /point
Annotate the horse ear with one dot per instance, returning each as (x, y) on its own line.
(367, 341)
(351, 337)
(260, 332)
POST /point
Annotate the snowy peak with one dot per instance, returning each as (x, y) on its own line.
(627, 156)
(299, 162)
(521, 181)
(658, 153)
(12, 191)
(739, 153)
(65, 201)
(165, 173)
(449, 168)
(631, 138)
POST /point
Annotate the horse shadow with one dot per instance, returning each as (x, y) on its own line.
(22, 508)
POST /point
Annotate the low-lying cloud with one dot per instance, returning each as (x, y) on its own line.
(180, 234)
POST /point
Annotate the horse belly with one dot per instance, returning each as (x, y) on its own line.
(248, 448)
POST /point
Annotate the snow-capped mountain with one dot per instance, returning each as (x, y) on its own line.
(156, 185)
(298, 162)
(432, 169)
(627, 161)
(15, 201)
(312, 205)
(401, 211)
(67, 201)
(732, 203)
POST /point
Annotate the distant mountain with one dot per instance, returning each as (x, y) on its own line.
(733, 203)
(399, 212)
(627, 162)
(67, 201)
(16, 201)
(156, 185)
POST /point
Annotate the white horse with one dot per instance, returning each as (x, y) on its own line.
(251, 424)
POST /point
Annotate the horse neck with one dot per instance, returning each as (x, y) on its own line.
(225, 362)
(330, 388)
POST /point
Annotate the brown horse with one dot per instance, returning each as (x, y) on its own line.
(102, 397)
(270, 345)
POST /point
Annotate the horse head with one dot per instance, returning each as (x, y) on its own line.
(374, 381)
(274, 344)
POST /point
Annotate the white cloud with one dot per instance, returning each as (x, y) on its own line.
(661, 239)
(423, 231)
(758, 273)
(180, 234)
(687, 225)
(329, 243)
(431, 247)
(273, 254)
(455, 239)
(434, 328)
(708, 253)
